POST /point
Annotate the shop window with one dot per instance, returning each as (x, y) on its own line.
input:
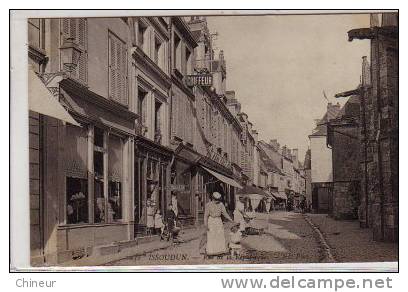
(76, 144)
(99, 197)
(77, 200)
(115, 165)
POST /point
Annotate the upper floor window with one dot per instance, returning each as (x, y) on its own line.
(158, 53)
(177, 52)
(157, 122)
(117, 70)
(142, 35)
(76, 30)
(36, 33)
(188, 62)
(141, 108)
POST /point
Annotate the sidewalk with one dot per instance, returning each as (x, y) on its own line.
(350, 243)
(139, 246)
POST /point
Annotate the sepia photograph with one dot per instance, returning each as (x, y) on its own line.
(210, 138)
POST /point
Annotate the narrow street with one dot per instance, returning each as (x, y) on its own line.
(288, 239)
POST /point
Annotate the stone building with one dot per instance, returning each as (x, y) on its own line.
(379, 111)
(308, 177)
(344, 140)
(81, 176)
(151, 91)
(321, 162)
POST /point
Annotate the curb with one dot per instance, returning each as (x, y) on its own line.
(327, 253)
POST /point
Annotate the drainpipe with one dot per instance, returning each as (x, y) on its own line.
(380, 170)
(363, 102)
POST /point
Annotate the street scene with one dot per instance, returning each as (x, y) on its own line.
(204, 139)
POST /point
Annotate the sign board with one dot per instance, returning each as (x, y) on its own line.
(199, 79)
(178, 188)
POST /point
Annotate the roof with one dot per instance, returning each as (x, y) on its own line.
(266, 160)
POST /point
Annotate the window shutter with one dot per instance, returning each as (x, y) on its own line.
(112, 66)
(82, 32)
(73, 29)
(65, 27)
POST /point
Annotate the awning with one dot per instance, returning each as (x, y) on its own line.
(41, 100)
(223, 178)
(280, 195)
(247, 190)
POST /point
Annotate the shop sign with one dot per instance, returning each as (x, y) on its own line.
(199, 79)
(215, 156)
(177, 188)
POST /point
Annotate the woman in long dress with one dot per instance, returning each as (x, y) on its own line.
(214, 209)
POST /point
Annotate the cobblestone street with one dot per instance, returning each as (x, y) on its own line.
(288, 239)
(346, 238)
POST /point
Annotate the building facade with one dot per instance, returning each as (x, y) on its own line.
(379, 114)
(321, 162)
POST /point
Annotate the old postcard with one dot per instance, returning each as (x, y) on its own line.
(204, 139)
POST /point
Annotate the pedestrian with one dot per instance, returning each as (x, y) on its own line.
(158, 223)
(150, 217)
(239, 213)
(214, 209)
(174, 203)
(170, 219)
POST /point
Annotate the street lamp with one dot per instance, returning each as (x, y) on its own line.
(70, 54)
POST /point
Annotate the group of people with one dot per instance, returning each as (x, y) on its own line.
(165, 226)
(215, 235)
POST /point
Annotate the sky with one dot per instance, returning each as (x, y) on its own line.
(280, 65)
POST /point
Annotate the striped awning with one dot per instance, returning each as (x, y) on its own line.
(223, 178)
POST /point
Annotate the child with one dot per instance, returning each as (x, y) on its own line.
(235, 240)
(158, 223)
(150, 217)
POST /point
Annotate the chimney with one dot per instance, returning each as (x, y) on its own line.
(255, 135)
(366, 74)
(273, 143)
(295, 153)
(221, 56)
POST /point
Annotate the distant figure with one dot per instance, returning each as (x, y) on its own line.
(170, 222)
(240, 213)
(150, 217)
(158, 223)
(174, 203)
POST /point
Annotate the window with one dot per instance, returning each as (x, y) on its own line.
(158, 55)
(177, 52)
(157, 122)
(142, 35)
(141, 107)
(188, 60)
(76, 175)
(76, 29)
(115, 165)
(99, 176)
(36, 33)
(117, 70)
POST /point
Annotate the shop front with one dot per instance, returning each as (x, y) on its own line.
(152, 181)
(92, 174)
